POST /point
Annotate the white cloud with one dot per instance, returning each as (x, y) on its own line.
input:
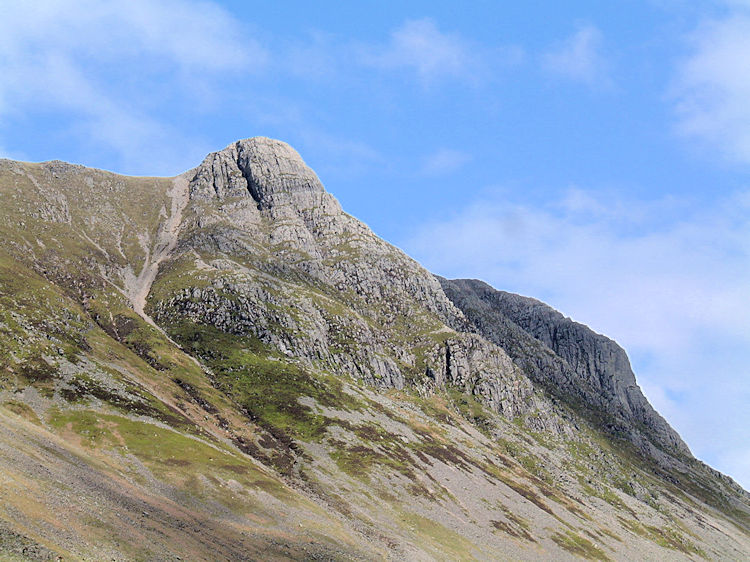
(419, 46)
(98, 64)
(580, 58)
(712, 86)
(669, 280)
(444, 161)
(192, 34)
(422, 47)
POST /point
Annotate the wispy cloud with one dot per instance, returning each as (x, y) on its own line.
(190, 33)
(124, 78)
(580, 57)
(444, 161)
(416, 48)
(420, 46)
(99, 64)
(712, 86)
(668, 279)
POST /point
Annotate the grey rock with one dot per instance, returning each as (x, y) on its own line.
(567, 358)
(267, 170)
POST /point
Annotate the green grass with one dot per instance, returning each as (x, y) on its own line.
(86, 424)
(36, 319)
(358, 461)
(267, 385)
(179, 274)
(470, 408)
(535, 467)
(663, 536)
(21, 409)
(516, 526)
(450, 545)
(134, 400)
(174, 457)
(579, 546)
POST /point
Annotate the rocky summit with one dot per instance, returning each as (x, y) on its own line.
(225, 365)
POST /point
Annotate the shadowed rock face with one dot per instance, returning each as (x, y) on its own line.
(565, 356)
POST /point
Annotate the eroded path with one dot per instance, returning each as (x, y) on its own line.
(138, 288)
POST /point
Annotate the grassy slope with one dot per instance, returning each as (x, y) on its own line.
(382, 460)
(256, 454)
(306, 406)
(87, 407)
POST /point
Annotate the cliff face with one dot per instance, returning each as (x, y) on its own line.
(229, 366)
(568, 359)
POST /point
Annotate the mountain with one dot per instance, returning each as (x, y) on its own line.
(225, 365)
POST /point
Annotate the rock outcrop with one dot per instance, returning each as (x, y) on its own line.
(342, 296)
(567, 358)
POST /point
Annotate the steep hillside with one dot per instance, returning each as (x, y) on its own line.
(570, 361)
(225, 365)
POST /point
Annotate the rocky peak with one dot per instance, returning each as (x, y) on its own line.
(267, 170)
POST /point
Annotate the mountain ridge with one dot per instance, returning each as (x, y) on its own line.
(239, 305)
(596, 360)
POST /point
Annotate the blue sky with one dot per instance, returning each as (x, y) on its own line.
(595, 155)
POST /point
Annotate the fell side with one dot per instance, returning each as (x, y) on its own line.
(307, 389)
